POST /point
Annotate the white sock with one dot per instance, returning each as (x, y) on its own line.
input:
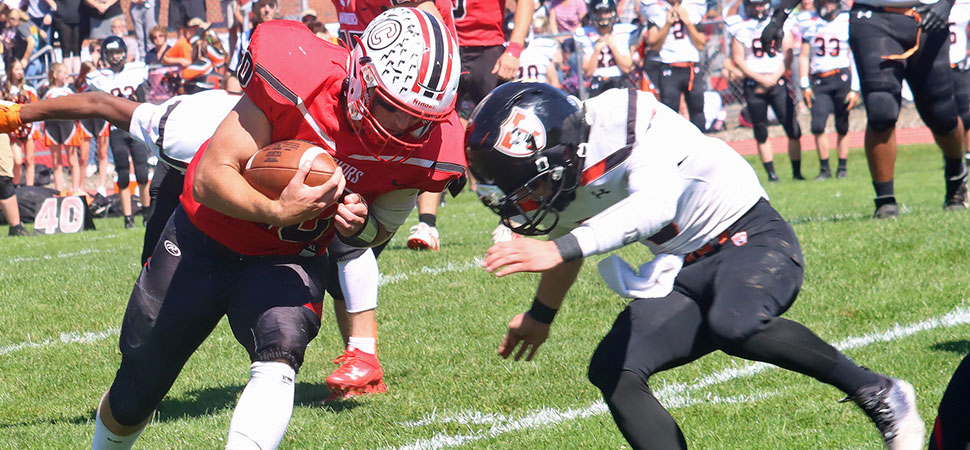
(366, 345)
(264, 408)
(358, 281)
(105, 439)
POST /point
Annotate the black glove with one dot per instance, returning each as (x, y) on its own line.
(935, 16)
(773, 34)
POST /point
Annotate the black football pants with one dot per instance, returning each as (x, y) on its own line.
(729, 300)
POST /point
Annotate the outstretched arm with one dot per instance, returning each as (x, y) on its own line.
(100, 105)
(774, 32)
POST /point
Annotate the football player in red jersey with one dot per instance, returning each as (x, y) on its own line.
(351, 273)
(229, 250)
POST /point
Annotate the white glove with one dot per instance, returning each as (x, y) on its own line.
(655, 280)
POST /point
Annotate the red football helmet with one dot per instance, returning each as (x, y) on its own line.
(406, 60)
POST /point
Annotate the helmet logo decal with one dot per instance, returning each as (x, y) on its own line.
(513, 139)
(384, 34)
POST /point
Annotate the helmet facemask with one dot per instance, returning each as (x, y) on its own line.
(758, 9)
(533, 208)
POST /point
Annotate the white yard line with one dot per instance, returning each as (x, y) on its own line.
(64, 338)
(672, 396)
(425, 270)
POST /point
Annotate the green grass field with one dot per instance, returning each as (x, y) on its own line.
(892, 294)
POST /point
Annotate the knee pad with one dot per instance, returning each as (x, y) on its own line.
(141, 172)
(131, 403)
(124, 177)
(882, 108)
(761, 133)
(939, 113)
(792, 129)
(818, 124)
(283, 332)
(6, 188)
(842, 124)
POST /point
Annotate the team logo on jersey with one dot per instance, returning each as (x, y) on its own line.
(521, 134)
(244, 72)
(740, 238)
(385, 34)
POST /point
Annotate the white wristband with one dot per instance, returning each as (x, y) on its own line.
(803, 82)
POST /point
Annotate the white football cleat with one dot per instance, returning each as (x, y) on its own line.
(893, 410)
(423, 237)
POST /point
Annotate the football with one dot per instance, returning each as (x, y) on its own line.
(271, 168)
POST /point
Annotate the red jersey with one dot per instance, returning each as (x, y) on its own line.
(308, 105)
(480, 22)
(354, 15)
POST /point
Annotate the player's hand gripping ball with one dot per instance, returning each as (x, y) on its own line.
(271, 168)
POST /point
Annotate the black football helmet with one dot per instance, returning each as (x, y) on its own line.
(525, 145)
(114, 52)
(828, 10)
(602, 13)
(757, 9)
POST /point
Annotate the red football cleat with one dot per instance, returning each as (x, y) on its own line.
(359, 373)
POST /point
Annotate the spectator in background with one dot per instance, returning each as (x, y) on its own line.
(18, 38)
(61, 135)
(181, 11)
(265, 10)
(308, 16)
(39, 12)
(100, 15)
(67, 24)
(8, 196)
(158, 36)
(119, 27)
(144, 20)
(321, 31)
(566, 15)
(94, 53)
(181, 53)
(92, 128)
(237, 13)
(16, 89)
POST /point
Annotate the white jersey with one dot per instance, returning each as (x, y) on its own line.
(677, 47)
(829, 42)
(176, 129)
(959, 19)
(748, 33)
(674, 178)
(533, 66)
(122, 84)
(623, 37)
(56, 91)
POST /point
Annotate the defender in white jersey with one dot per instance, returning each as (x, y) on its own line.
(828, 79)
(892, 41)
(128, 81)
(959, 21)
(765, 85)
(623, 168)
(605, 47)
(675, 36)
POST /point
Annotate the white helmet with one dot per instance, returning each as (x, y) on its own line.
(407, 59)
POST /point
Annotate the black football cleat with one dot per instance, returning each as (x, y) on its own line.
(129, 221)
(891, 405)
(18, 230)
(823, 175)
(841, 173)
(956, 195)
